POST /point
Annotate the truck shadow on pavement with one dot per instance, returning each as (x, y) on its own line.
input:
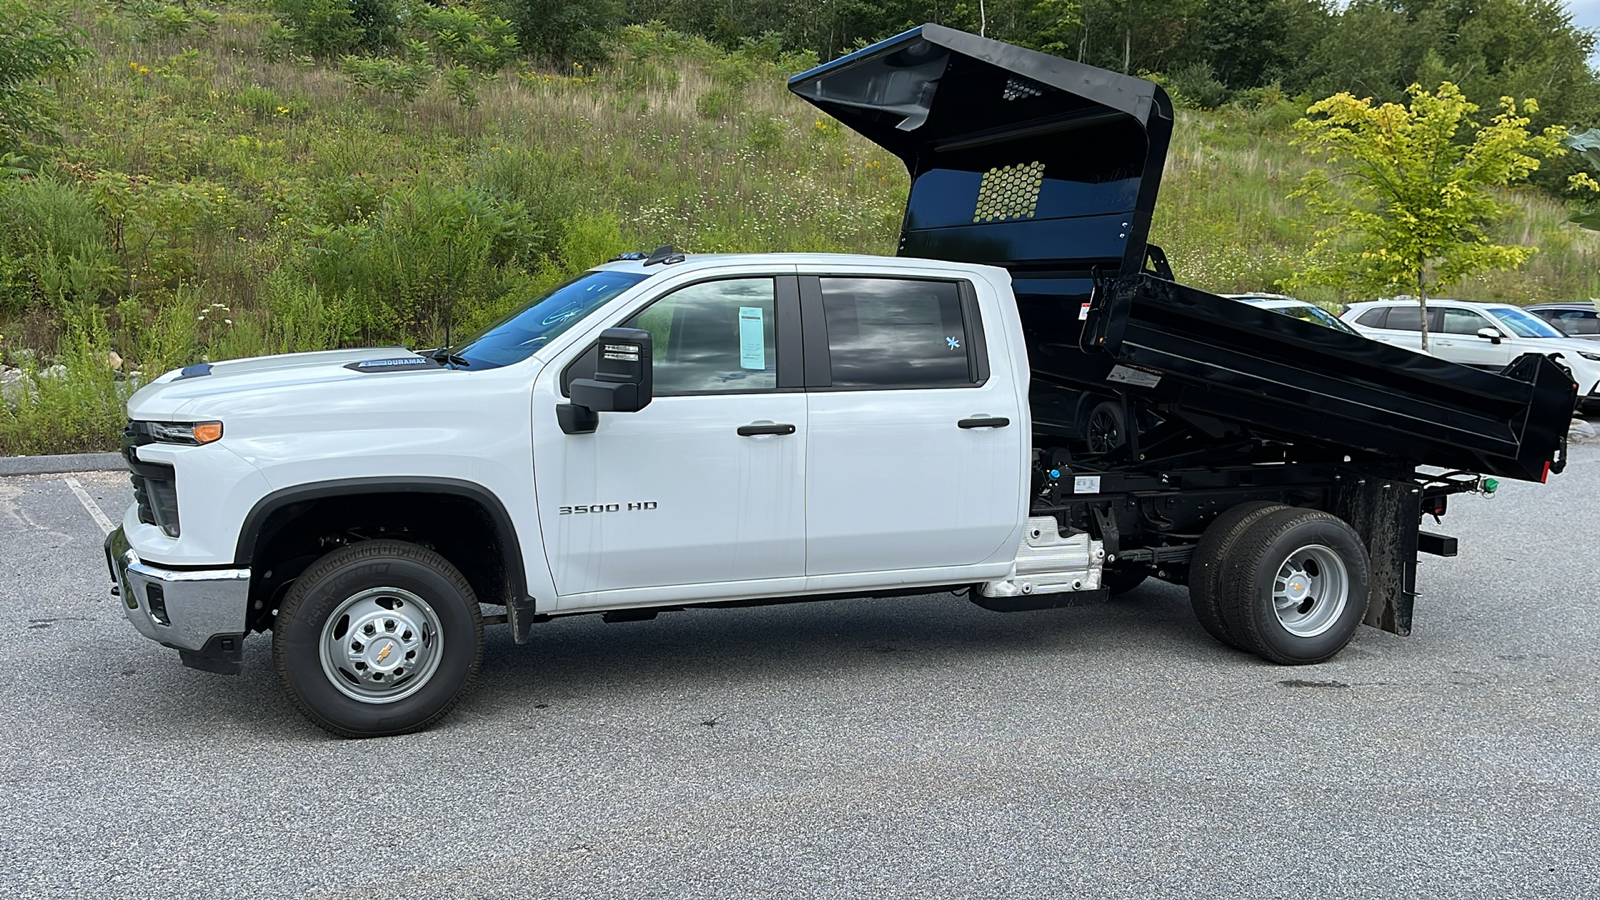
(881, 647)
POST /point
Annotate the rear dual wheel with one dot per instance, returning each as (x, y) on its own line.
(1287, 584)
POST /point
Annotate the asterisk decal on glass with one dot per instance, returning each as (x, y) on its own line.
(955, 343)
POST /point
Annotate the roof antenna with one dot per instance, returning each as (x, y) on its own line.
(664, 254)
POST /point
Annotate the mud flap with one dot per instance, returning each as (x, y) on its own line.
(1385, 513)
(522, 616)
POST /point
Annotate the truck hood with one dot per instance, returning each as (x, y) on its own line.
(171, 396)
(1017, 158)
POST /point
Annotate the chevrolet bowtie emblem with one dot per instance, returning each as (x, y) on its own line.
(384, 653)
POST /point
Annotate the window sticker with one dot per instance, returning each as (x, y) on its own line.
(752, 338)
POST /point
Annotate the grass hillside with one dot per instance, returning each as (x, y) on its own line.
(216, 195)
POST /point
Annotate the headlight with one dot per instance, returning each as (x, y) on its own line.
(185, 432)
(1587, 355)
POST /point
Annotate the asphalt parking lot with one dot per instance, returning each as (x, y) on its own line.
(917, 747)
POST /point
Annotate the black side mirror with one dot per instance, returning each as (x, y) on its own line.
(1489, 334)
(621, 381)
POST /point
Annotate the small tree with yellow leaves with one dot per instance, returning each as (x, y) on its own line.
(1407, 200)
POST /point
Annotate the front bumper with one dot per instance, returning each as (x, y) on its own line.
(201, 613)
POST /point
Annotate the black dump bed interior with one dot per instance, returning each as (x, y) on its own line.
(1050, 169)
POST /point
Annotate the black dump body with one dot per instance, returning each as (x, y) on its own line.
(1050, 169)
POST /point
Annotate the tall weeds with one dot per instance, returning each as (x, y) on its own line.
(218, 192)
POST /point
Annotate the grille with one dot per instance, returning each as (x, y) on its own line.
(155, 486)
(1009, 192)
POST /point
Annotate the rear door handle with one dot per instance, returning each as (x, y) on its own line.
(765, 428)
(984, 422)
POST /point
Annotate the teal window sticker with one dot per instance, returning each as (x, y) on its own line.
(752, 338)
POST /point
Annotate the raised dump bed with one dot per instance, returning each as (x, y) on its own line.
(1050, 169)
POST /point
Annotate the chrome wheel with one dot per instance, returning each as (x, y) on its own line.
(381, 645)
(1310, 591)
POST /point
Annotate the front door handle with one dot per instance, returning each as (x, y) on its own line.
(984, 422)
(764, 428)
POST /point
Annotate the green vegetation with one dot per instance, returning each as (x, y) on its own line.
(234, 178)
(1412, 201)
(35, 42)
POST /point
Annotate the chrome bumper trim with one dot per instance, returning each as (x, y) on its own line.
(197, 604)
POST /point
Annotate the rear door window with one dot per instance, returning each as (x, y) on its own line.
(1373, 318)
(1404, 318)
(896, 333)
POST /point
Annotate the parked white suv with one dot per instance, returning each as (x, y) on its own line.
(1481, 335)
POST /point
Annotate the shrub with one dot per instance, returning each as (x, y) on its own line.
(53, 246)
(564, 30)
(428, 252)
(403, 78)
(321, 28)
(1194, 86)
(165, 231)
(463, 37)
(71, 406)
(35, 43)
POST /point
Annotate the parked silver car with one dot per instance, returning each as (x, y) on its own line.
(1483, 335)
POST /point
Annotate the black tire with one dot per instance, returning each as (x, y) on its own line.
(408, 598)
(1209, 562)
(1120, 581)
(1294, 587)
(1105, 429)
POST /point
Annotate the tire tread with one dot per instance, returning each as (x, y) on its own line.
(1237, 588)
(357, 553)
(1208, 564)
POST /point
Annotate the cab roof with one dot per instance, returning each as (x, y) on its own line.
(843, 261)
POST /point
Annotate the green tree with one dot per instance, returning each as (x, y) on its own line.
(1408, 202)
(1245, 40)
(35, 44)
(1586, 147)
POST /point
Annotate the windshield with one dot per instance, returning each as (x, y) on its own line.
(517, 336)
(1315, 315)
(1524, 324)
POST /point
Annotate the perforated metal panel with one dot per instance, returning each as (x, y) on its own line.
(1019, 88)
(1009, 192)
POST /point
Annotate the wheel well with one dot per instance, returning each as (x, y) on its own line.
(282, 542)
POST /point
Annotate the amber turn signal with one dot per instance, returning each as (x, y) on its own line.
(185, 432)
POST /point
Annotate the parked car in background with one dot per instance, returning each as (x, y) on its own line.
(1483, 335)
(1297, 309)
(1579, 320)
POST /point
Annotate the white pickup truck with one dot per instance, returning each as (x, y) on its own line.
(672, 431)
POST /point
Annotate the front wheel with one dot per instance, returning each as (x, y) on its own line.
(378, 638)
(1294, 589)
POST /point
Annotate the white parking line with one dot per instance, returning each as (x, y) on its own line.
(89, 504)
